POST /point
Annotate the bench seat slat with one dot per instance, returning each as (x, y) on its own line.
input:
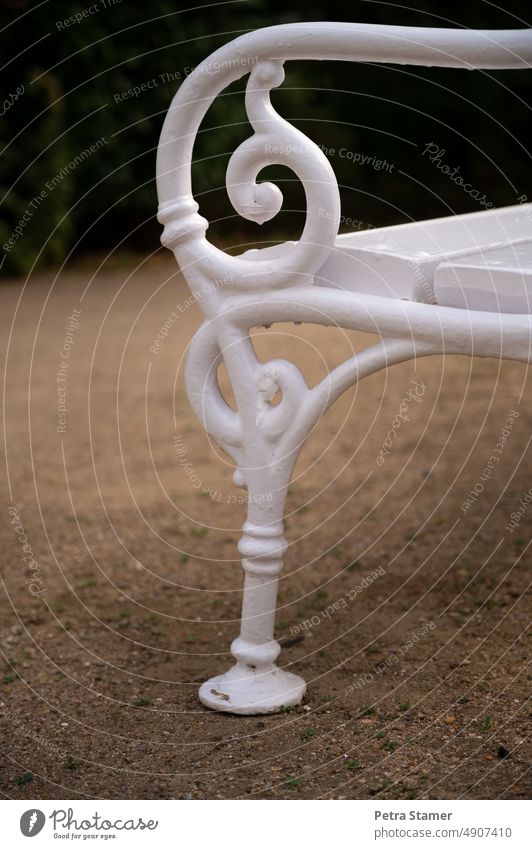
(497, 280)
(400, 261)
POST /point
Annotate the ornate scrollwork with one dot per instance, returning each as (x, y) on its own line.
(211, 408)
(284, 377)
(274, 141)
(265, 51)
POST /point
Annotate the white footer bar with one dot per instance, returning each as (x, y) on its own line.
(266, 824)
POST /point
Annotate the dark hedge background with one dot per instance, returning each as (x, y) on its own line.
(71, 74)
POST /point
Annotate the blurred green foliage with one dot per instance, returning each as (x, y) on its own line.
(65, 86)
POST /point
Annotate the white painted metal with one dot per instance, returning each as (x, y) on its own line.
(498, 280)
(261, 287)
(400, 261)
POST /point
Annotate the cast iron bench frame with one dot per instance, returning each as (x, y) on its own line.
(278, 284)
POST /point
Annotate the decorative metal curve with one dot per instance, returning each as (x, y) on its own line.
(205, 396)
(257, 201)
(276, 142)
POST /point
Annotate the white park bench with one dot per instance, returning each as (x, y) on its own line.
(457, 285)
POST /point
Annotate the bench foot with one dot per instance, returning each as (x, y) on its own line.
(244, 690)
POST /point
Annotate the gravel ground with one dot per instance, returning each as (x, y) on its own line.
(404, 610)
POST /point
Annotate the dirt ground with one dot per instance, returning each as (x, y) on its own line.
(405, 611)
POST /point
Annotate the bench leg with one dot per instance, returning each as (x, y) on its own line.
(264, 440)
(255, 684)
